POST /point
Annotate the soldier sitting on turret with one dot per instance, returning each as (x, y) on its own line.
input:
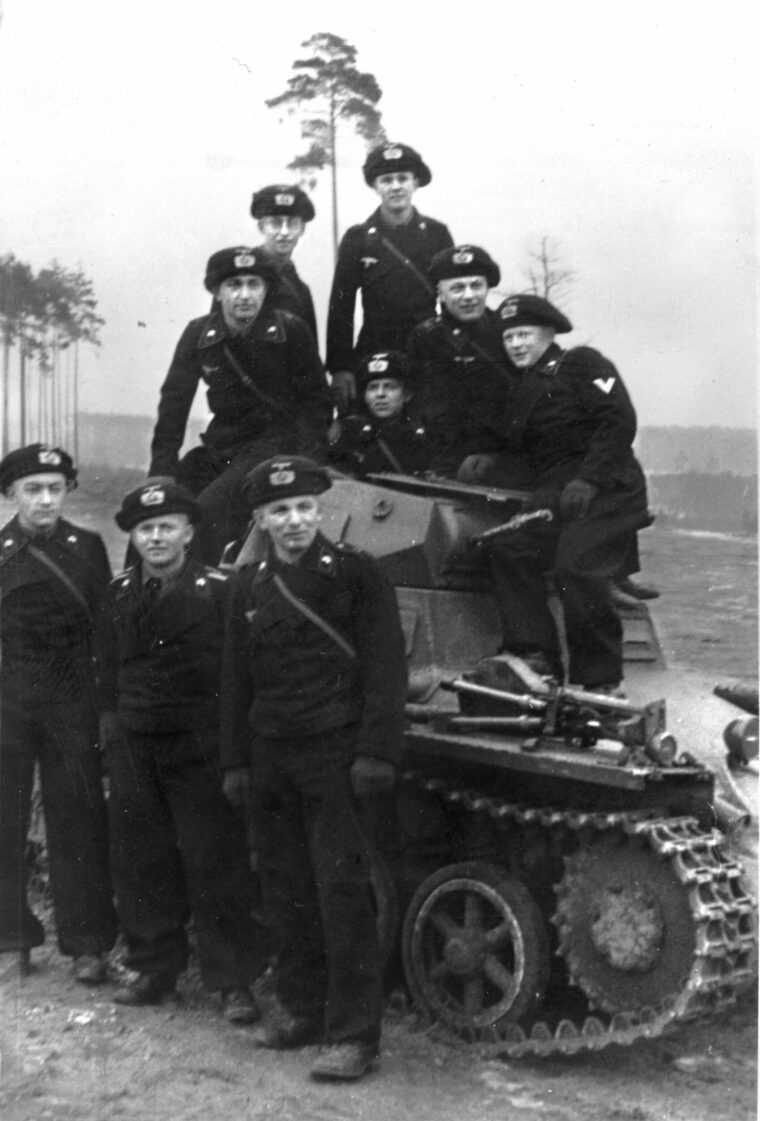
(382, 435)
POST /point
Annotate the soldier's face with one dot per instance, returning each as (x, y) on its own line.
(281, 233)
(292, 524)
(39, 501)
(396, 191)
(525, 345)
(385, 397)
(162, 542)
(464, 297)
(241, 298)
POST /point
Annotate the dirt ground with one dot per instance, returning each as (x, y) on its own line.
(67, 1052)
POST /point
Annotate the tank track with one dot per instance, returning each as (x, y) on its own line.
(723, 914)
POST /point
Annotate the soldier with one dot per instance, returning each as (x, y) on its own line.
(387, 257)
(573, 421)
(176, 844)
(53, 576)
(266, 390)
(312, 714)
(459, 373)
(282, 213)
(382, 435)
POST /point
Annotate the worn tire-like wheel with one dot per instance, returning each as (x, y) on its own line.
(475, 948)
(626, 927)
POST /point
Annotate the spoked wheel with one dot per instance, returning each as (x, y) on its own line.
(626, 927)
(475, 948)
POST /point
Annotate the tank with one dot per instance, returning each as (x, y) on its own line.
(551, 879)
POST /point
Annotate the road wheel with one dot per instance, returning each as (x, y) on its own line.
(625, 923)
(475, 948)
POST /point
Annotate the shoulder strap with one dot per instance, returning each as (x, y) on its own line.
(382, 444)
(313, 617)
(419, 275)
(249, 383)
(58, 572)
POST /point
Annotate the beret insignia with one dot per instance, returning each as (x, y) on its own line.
(244, 260)
(152, 496)
(284, 199)
(509, 309)
(281, 475)
(463, 257)
(49, 457)
(392, 153)
(378, 365)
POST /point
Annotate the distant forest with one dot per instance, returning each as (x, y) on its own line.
(699, 478)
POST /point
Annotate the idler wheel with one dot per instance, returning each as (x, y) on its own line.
(626, 927)
(475, 948)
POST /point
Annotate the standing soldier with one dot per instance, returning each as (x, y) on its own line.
(387, 257)
(573, 421)
(312, 714)
(460, 376)
(282, 212)
(53, 576)
(266, 390)
(176, 844)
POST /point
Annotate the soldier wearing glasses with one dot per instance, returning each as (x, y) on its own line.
(282, 212)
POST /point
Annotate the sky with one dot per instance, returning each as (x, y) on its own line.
(133, 136)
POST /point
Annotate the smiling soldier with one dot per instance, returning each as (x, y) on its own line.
(176, 844)
(312, 716)
(387, 257)
(266, 391)
(53, 576)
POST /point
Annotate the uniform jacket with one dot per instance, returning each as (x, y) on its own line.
(46, 629)
(395, 295)
(294, 295)
(572, 418)
(162, 652)
(280, 358)
(284, 677)
(368, 445)
(462, 383)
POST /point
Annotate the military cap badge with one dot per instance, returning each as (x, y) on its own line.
(244, 260)
(377, 365)
(49, 457)
(392, 153)
(508, 309)
(152, 496)
(463, 256)
(282, 474)
(284, 199)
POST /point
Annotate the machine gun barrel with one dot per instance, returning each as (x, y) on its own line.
(532, 704)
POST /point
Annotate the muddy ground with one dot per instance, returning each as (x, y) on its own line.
(69, 1053)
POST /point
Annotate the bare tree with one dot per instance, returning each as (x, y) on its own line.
(327, 89)
(546, 271)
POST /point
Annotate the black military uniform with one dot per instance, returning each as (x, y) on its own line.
(293, 294)
(573, 421)
(368, 444)
(177, 846)
(459, 373)
(389, 264)
(301, 706)
(267, 392)
(51, 588)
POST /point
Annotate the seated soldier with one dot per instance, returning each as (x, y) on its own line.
(266, 390)
(382, 435)
(573, 421)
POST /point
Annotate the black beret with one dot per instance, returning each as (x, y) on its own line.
(527, 310)
(384, 364)
(395, 157)
(36, 459)
(240, 261)
(281, 199)
(464, 260)
(284, 476)
(154, 499)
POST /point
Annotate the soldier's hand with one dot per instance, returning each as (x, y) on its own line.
(371, 776)
(237, 786)
(475, 467)
(344, 389)
(576, 498)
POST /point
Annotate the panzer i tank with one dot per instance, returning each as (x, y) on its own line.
(555, 880)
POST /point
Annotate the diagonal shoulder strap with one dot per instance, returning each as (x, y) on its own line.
(249, 383)
(419, 275)
(312, 616)
(60, 575)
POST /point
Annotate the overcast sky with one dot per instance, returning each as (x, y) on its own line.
(133, 136)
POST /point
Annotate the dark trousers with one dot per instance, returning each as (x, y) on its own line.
(314, 863)
(63, 739)
(178, 848)
(583, 555)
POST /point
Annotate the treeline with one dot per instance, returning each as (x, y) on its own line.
(711, 451)
(697, 500)
(44, 317)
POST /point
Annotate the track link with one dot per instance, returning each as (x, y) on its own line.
(723, 913)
